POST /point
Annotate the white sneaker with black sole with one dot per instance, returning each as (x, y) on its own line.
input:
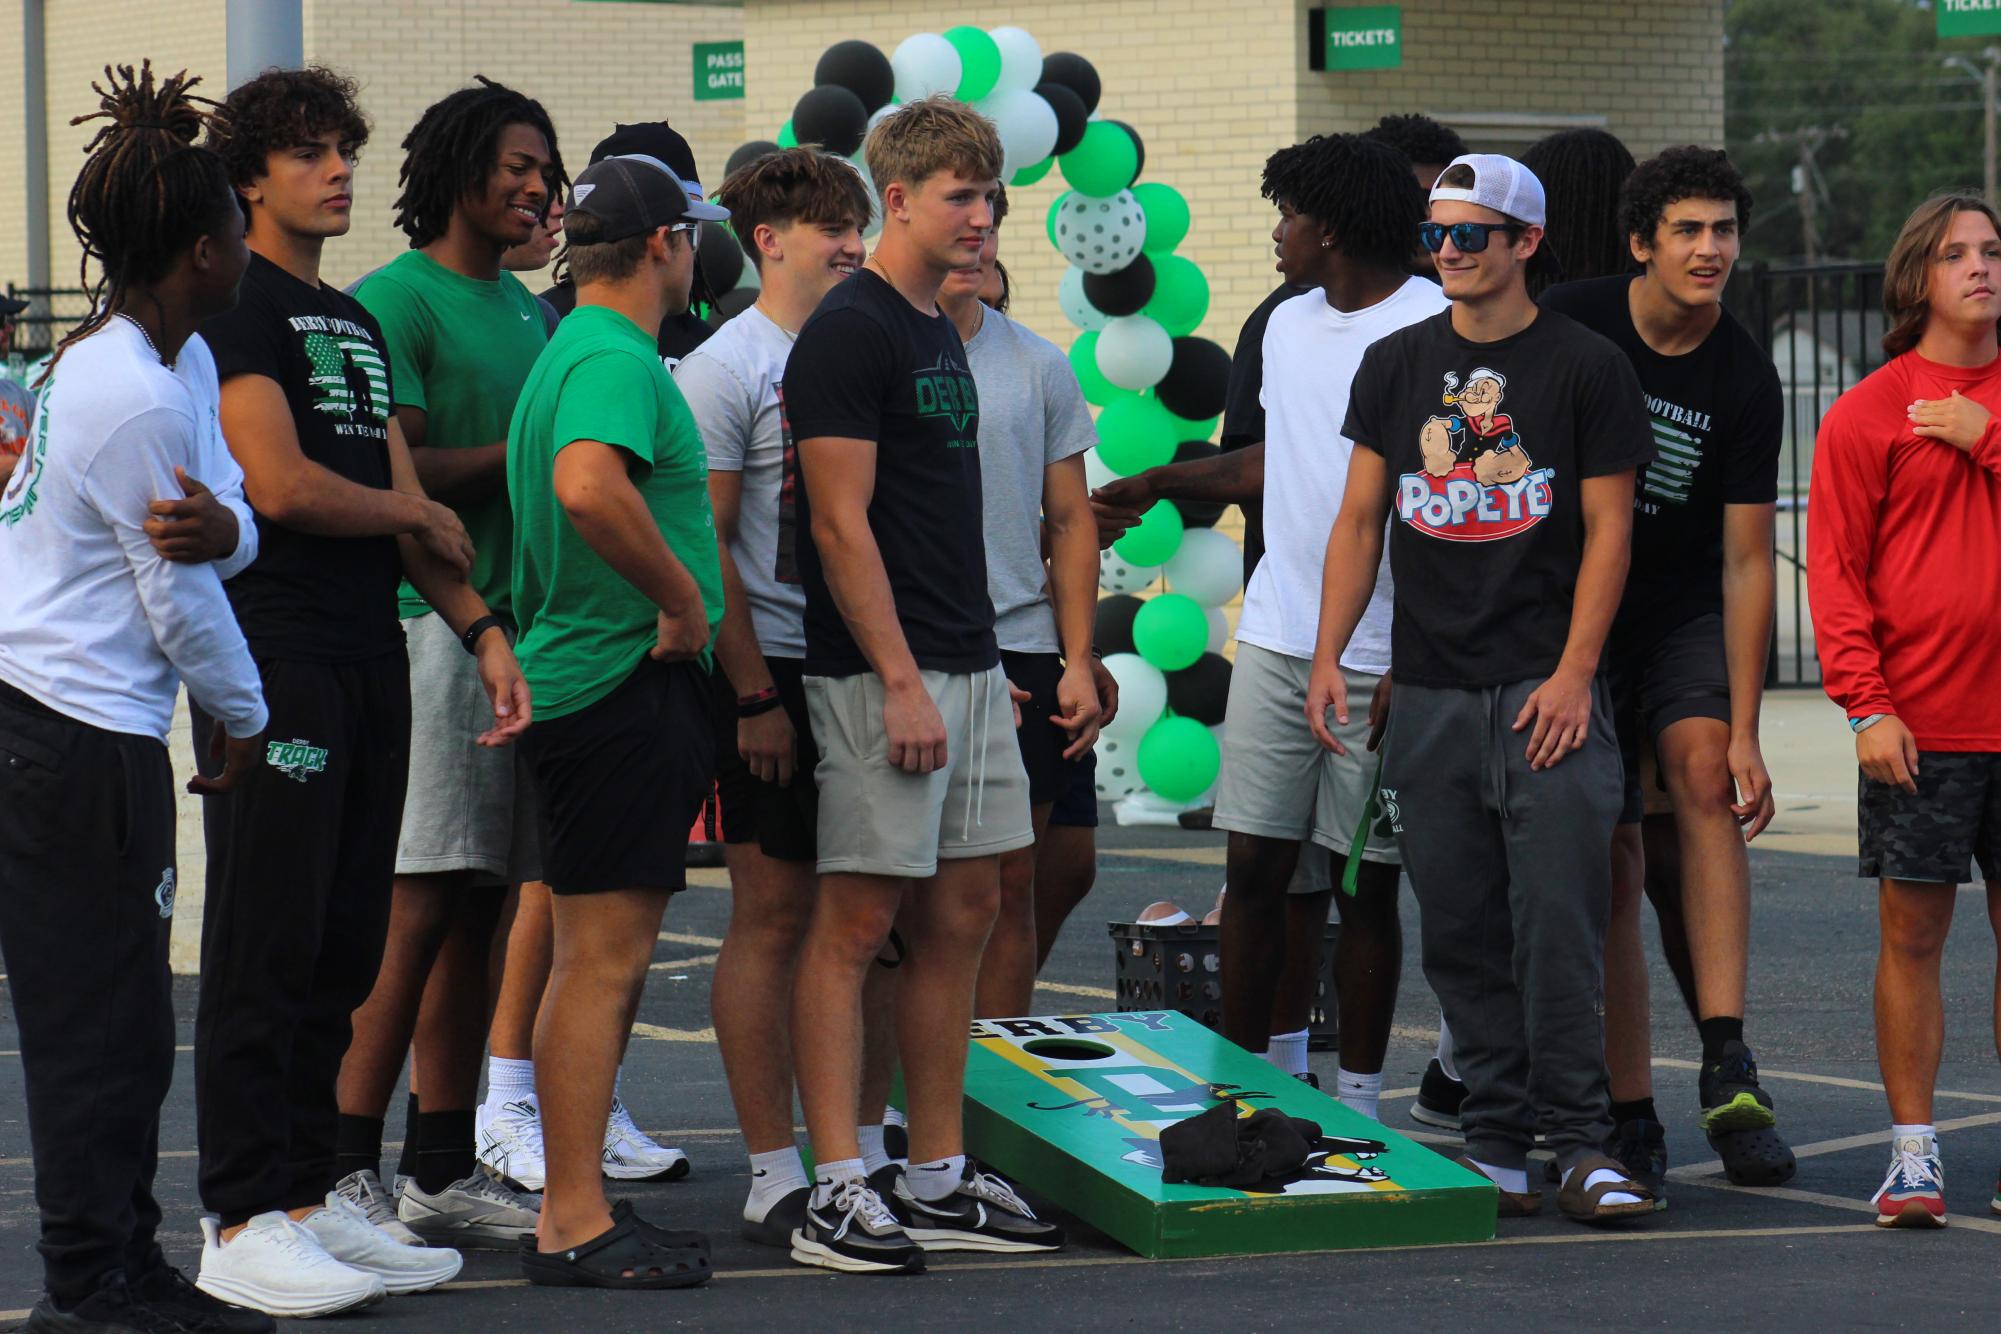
(364, 1191)
(480, 1213)
(346, 1234)
(982, 1213)
(855, 1233)
(630, 1154)
(510, 1142)
(276, 1266)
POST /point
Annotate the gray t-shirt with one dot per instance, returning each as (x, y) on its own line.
(1032, 414)
(734, 385)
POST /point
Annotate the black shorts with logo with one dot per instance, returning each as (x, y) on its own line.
(621, 783)
(782, 820)
(1682, 674)
(1042, 742)
(1937, 833)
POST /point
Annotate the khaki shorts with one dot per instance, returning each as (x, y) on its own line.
(1277, 780)
(468, 807)
(879, 820)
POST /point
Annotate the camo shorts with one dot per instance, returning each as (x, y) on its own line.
(1937, 833)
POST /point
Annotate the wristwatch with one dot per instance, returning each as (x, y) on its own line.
(1863, 724)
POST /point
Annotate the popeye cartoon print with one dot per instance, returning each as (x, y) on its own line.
(1477, 433)
(1478, 482)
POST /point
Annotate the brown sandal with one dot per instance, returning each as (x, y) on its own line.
(1586, 1203)
(1511, 1204)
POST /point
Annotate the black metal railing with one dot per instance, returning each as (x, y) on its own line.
(51, 312)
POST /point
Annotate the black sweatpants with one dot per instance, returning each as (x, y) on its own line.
(86, 905)
(301, 857)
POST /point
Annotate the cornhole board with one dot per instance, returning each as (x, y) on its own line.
(1072, 1107)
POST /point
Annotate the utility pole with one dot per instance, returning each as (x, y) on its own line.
(1807, 142)
(1989, 76)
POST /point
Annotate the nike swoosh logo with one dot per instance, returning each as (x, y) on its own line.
(524, 315)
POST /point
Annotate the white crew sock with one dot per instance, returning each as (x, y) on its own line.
(936, 1179)
(1599, 1178)
(508, 1081)
(1925, 1134)
(832, 1175)
(893, 1116)
(773, 1176)
(1288, 1052)
(1514, 1180)
(1445, 1061)
(1359, 1093)
(874, 1156)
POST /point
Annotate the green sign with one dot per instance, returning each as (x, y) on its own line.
(718, 71)
(1969, 18)
(1368, 37)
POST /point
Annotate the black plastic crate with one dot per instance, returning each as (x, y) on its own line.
(1179, 967)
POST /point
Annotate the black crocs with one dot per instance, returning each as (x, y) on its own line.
(1754, 1157)
(674, 1238)
(623, 1257)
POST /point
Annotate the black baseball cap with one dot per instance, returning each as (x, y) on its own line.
(11, 306)
(633, 193)
(655, 139)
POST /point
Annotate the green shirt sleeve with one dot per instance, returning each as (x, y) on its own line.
(406, 328)
(611, 397)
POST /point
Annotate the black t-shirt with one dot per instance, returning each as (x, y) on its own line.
(1717, 414)
(680, 334)
(308, 596)
(868, 366)
(1244, 412)
(1486, 445)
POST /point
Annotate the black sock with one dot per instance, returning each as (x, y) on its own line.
(1639, 1109)
(444, 1149)
(358, 1145)
(1716, 1032)
(406, 1161)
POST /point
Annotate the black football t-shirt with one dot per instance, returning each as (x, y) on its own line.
(869, 366)
(1487, 445)
(1717, 414)
(308, 596)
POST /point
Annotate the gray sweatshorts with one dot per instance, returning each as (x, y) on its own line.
(468, 807)
(879, 820)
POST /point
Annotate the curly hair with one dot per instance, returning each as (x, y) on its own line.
(450, 152)
(1674, 174)
(1356, 188)
(1419, 138)
(282, 109)
(1581, 172)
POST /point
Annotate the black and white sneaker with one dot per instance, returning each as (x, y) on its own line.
(982, 1214)
(855, 1233)
(1438, 1099)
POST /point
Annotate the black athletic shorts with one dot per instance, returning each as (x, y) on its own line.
(1938, 833)
(622, 780)
(736, 790)
(1042, 742)
(1077, 808)
(782, 821)
(1683, 674)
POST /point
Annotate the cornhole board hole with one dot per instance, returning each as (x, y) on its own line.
(1072, 1108)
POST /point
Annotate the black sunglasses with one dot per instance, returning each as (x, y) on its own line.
(1470, 237)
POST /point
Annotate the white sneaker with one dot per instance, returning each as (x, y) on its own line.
(481, 1212)
(345, 1233)
(364, 1191)
(630, 1155)
(276, 1266)
(510, 1141)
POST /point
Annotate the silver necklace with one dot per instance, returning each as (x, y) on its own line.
(148, 337)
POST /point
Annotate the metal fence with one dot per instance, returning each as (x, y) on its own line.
(51, 312)
(1823, 325)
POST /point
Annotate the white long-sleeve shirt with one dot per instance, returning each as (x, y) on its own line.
(93, 623)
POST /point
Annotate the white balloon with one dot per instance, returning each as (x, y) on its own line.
(1208, 566)
(1118, 769)
(1134, 352)
(1021, 61)
(1219, 627)
(1026, 124)
(1115, 575)
(925, 63)
(1097, 473)
(1077, 307)
(1142, 696)
(1100, 235)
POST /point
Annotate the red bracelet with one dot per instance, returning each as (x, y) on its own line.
(769, 692)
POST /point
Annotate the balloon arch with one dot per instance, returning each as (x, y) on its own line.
(1159, 388)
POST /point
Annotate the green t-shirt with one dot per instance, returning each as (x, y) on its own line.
(459, 349)
(583, 627)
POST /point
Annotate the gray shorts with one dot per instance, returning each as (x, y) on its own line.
(468, 807)
(879, 820)
(1277, 780)
(1942, 831)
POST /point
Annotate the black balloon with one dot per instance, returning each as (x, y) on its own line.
(1077, 74)
(832, 117)
(860, 68)
(749, 152)
(721, 258)
(1201, 689)
(1071, 117)
(732, 304)
(1139, 146)
(1124, 292)
(1113, 631)
(1198, 513)
(1197, 380)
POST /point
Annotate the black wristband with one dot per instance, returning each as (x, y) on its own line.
(754, 708)
(470, 639)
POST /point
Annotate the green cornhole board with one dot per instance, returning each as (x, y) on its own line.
(1072, 1108)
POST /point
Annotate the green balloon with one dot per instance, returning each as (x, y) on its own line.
(1195, 430)
(1152, 540)
(1136, 433)
(1166, 216)
(1055, 207)
(1031, 174)
(1171, 631)
(979, 61)
(1084, 361)
(786, 138)
(1180, 295)
(1179, 758)
(1104, 161)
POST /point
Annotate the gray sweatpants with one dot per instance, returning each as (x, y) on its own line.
(1512, 873)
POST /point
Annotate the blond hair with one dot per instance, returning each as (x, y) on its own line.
(921, 139)
(1907, 273)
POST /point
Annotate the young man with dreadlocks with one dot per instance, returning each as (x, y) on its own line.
(1582, 171)
(479, 170)
(97, 631)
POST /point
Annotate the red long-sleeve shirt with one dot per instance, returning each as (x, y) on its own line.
(1904, 558)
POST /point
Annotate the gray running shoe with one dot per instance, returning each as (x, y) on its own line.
(478, 1213)
(364, 1191)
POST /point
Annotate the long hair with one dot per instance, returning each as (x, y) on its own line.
(449, 153)
(146, 193)
(1907, 273)
(1581, 173)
